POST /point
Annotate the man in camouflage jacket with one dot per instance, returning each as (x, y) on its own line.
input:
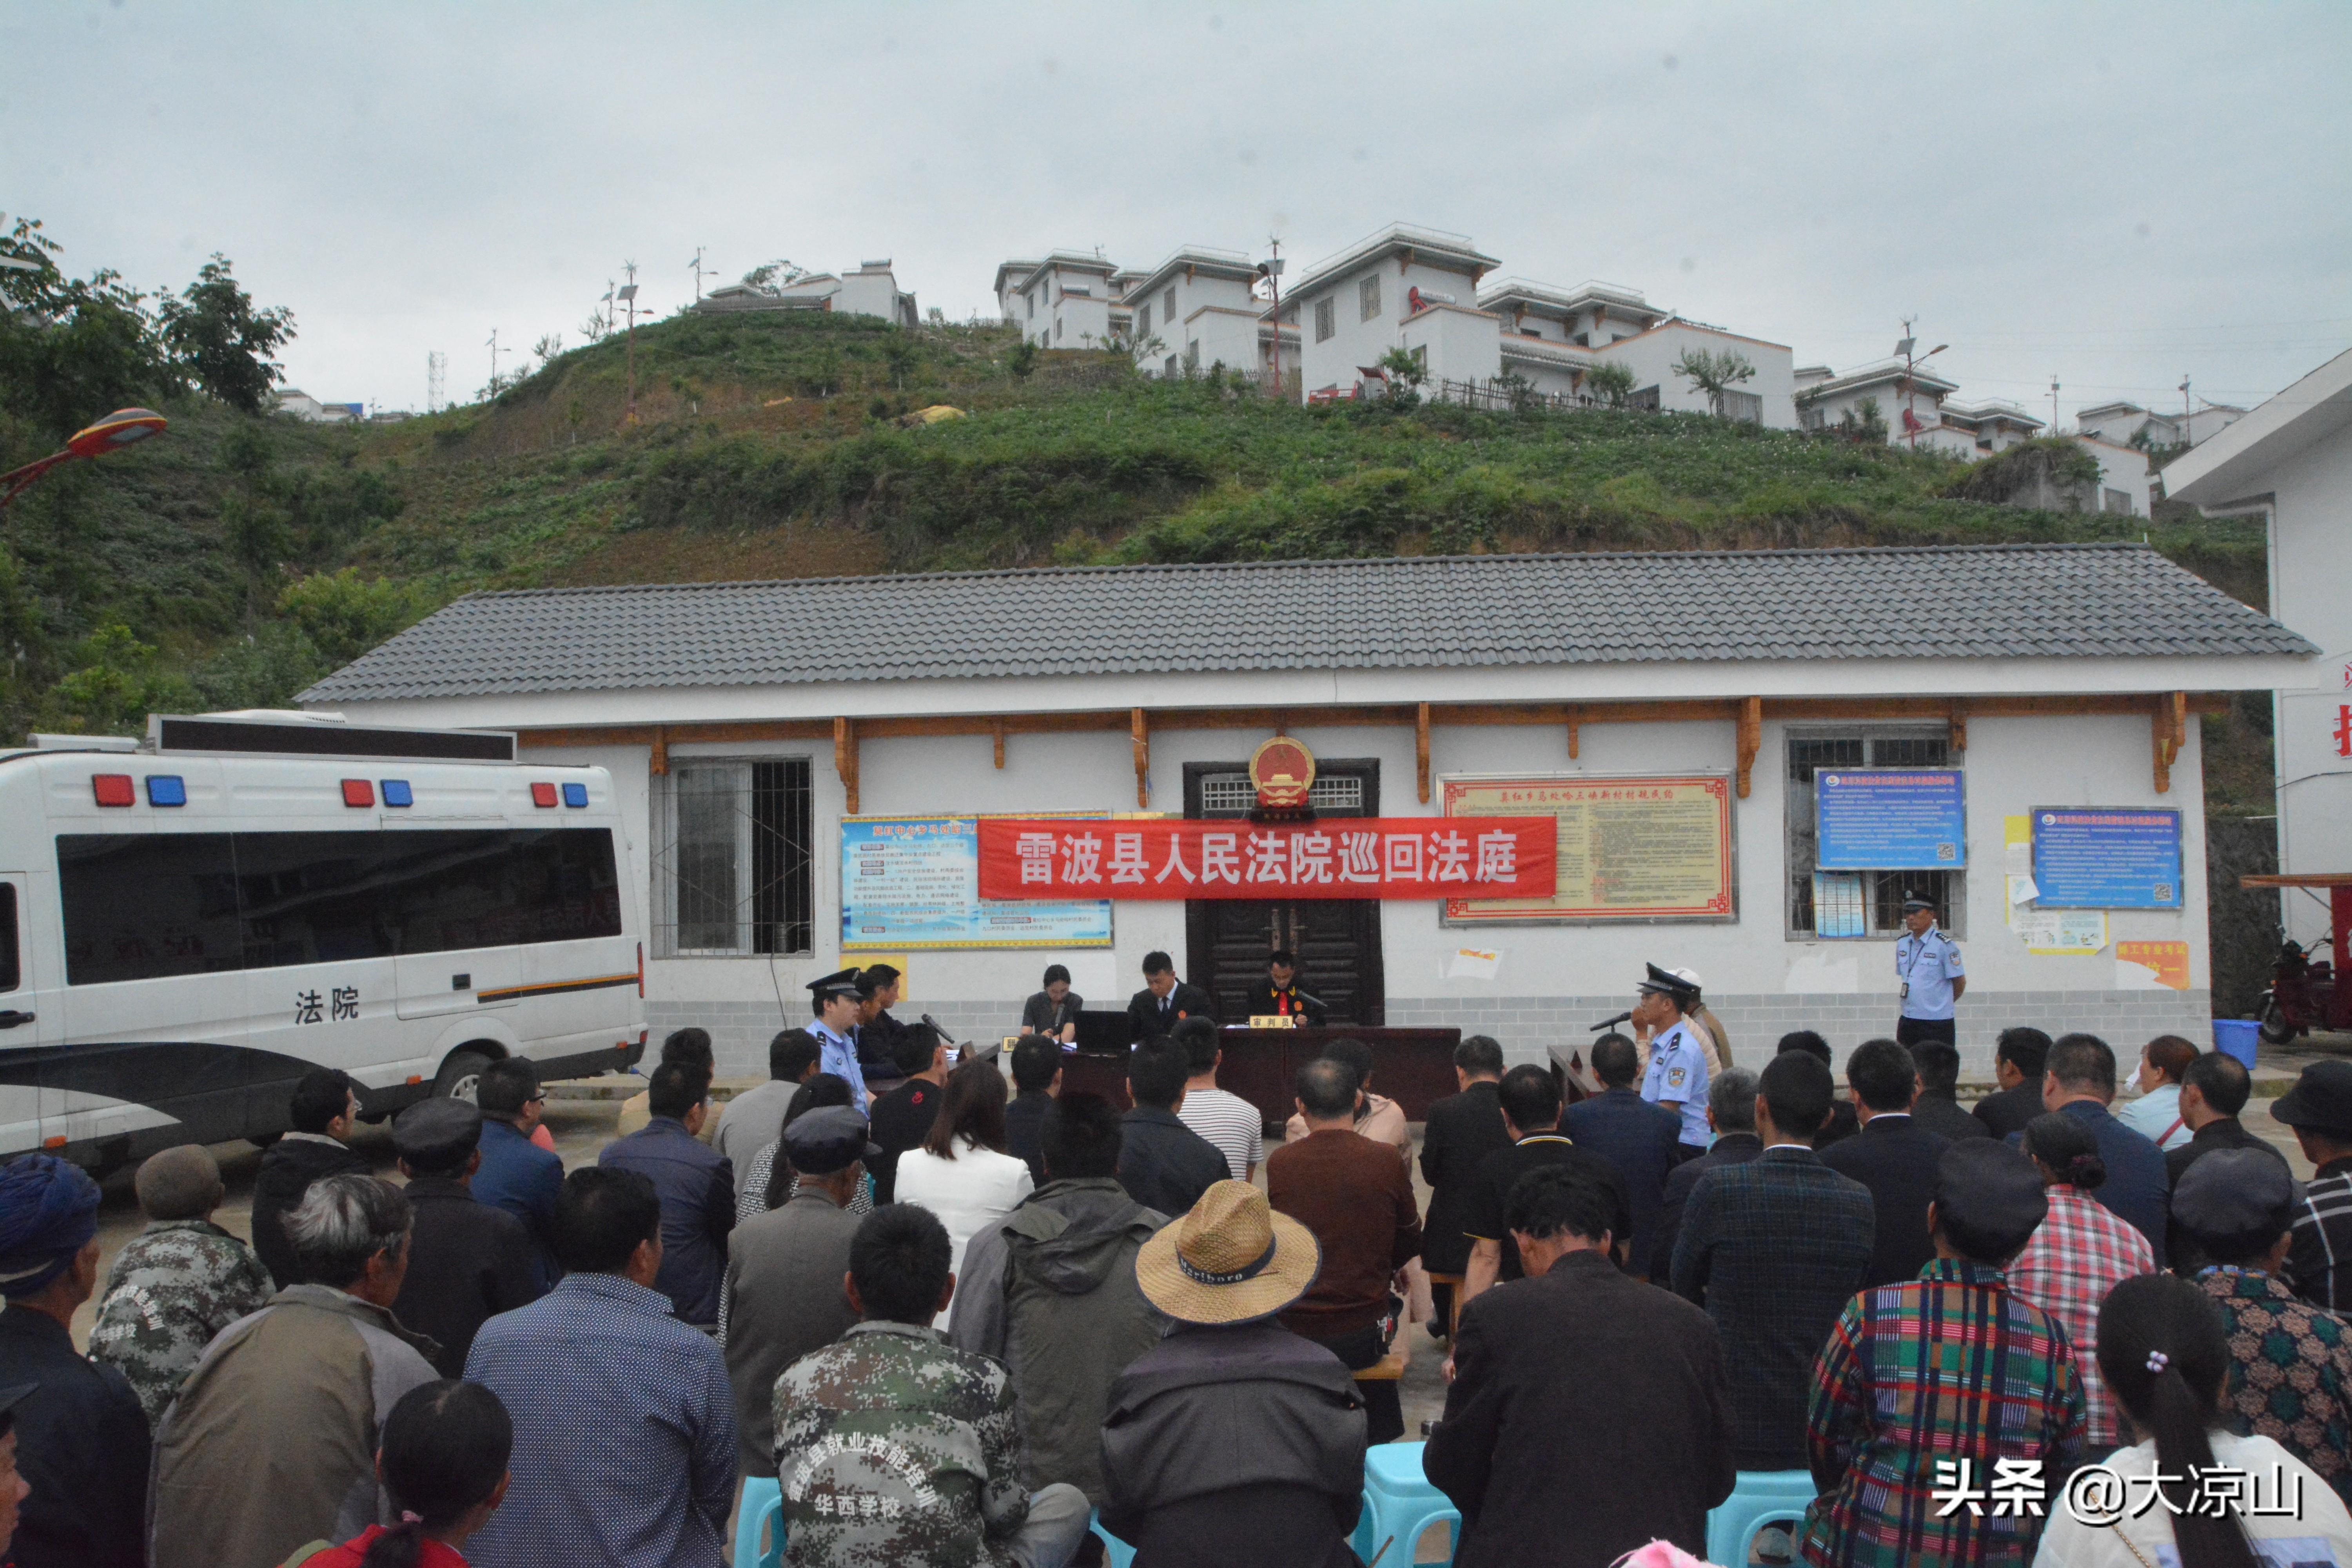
(897, 1450)
(177, 1283)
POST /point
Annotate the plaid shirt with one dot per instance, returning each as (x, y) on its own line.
(2290, 1371)
(2319, 1262)
(1950, 1366)
(1772, 1249)
(2078, 1255)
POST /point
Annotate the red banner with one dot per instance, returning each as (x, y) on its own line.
(1347, 858)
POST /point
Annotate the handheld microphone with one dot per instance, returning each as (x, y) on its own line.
(1613, 1023)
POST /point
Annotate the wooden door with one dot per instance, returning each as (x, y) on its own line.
(1337, 940)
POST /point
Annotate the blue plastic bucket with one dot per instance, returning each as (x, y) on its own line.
(2238, 1036)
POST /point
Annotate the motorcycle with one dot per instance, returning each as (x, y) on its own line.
(2303, 994)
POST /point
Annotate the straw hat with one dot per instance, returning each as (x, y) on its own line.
(1232, 1261)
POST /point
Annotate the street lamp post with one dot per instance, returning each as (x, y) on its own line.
(111, 434)
(1910, 387)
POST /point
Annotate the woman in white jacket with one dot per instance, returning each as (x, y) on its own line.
(2163, 1353)
(962, 1173)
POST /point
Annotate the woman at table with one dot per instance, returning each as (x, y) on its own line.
(1052, 1012)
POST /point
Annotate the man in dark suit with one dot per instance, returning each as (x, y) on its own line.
(1840, 1123)
(1461, 1131)
(324, 1108)
(2078, 1080)
(1646, 1463)
(1892, 1156)
(1631, 1133)
(1938, 1109)
(1731, 1111)
(2018, 1064)
(1774, 1249)
(1163, 1165)
(1165, 1001)
(1278, 996)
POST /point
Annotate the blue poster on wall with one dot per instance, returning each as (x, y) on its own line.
(1890, 819)
(2113, 859)
(913, 882)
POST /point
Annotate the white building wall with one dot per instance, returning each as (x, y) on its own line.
(874, 293)
(1553, 980)
(1358, 341)
(1651, 355)
(2311, 588)
(1456, 344)
(2122, 468)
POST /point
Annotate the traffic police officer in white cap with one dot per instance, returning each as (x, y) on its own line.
(1928, 967)
(1677, 1074)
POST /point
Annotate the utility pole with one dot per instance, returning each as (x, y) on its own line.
(1910, 369)
(1273, 271)
(2054, 405)
(436, 371)
(697, 274)
(2184, 408)
(494, 362)
(629, 299)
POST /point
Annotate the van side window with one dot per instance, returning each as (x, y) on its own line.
(12, 966)
(137, 908)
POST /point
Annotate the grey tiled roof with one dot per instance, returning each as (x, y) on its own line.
(1417, 612)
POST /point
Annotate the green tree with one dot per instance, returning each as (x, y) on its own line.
(344, 615)
(1611, 382)
(223, 342)
(1022, 360)
(71, 350)
(118, 683)
(267, 669)
(1714, 373)
(1863, 423)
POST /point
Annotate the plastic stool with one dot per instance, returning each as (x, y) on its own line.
(1116, 1553)
(763, 1500)
(1758, 1497)
(1399, 1504)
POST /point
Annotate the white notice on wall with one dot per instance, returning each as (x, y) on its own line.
(2058, 932)
(2022, 891)
(2017, 859)
(1472, 963)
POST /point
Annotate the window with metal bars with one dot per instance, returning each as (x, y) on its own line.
(1233, 794)
(733, 873)
(1881, 892)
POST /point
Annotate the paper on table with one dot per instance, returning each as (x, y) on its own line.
(1473, 963)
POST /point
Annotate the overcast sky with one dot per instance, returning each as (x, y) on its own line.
(2117, 195)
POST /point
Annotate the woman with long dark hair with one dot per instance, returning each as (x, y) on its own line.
(443, 1462)
(963, 1172)
(2080, 1251)
(2165, 1355)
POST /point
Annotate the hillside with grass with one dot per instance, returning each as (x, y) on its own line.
(240, 556)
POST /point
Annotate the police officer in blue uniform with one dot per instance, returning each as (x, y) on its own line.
(1677, 1074)
(1928, 967)
(835, 1002)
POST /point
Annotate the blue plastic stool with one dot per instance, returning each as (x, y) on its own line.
(1116, 1553)
(763, 1500)
(1399, 1504)
(1759, 1497)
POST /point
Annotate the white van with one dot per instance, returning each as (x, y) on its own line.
(189, 925)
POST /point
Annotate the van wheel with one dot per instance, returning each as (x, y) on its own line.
(461, 1075)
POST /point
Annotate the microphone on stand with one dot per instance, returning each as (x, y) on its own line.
(1613, 1023)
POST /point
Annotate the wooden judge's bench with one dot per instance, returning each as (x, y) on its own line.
(1411, 1066)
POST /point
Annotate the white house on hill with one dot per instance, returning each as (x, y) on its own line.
(871, 291)
(2125, 422)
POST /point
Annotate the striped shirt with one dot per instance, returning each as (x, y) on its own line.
(2078, 1254)
(2319, 1260)
(1950, 1366)
(1230, 1122)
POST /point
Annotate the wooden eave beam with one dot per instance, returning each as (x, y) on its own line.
(1421, 752)
(844, 761)
(1752, 738)
(1139, 733)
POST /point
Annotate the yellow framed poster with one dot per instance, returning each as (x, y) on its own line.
(1633, 846)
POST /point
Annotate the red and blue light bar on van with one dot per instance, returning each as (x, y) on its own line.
(172, 789)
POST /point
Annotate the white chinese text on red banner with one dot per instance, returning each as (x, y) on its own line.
(1345, 858)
